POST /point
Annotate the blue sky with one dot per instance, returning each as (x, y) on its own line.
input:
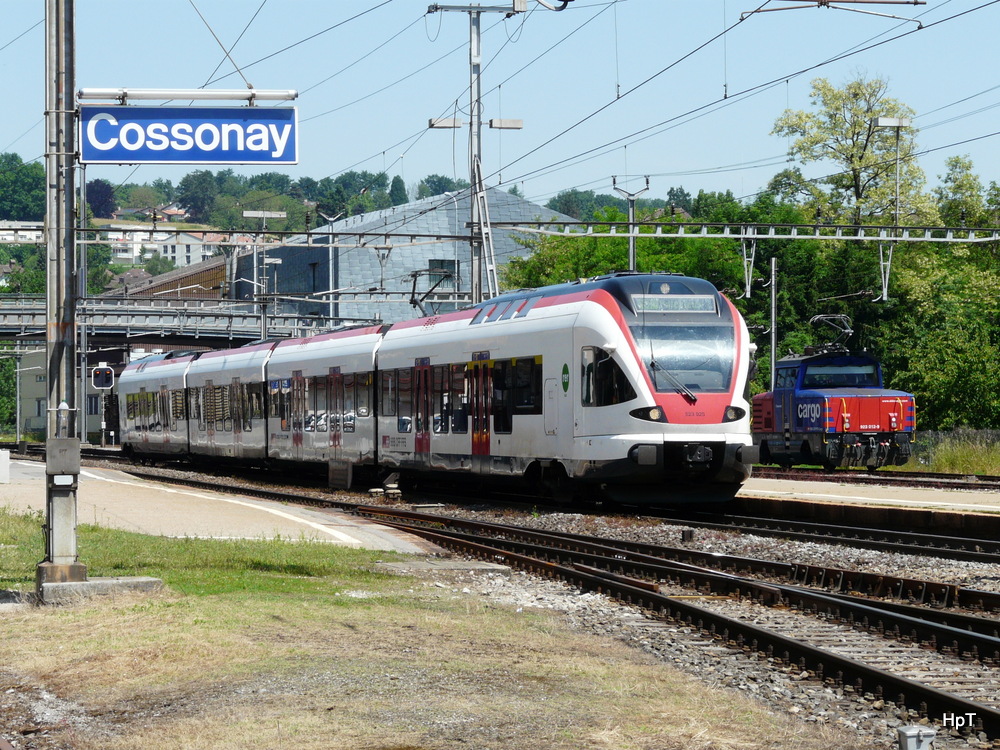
(680, 90)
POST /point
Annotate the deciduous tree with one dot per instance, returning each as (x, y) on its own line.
(841, 132)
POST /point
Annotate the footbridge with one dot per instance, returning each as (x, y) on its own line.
(170, 323)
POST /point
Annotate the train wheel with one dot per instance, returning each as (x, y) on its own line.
(556, 484)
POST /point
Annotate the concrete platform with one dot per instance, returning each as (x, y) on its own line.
(931, 498)
(79, 591)
(117, 500)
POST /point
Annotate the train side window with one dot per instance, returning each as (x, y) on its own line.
(234, 418)
(176, 408)
(194, 408)
(349, 402)
(404, 400)
(458, 400)
(208, 401)
(246, 422)
(603, 381)
(309, 405)
(273, 398)
(284, 400)
(502, 400)
(255, 393)
(320, 392)
(224, 416)
(161, 405)
(440, 398)
(528, 385)
(387, 405)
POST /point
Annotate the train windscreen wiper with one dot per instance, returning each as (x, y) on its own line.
(656, 367)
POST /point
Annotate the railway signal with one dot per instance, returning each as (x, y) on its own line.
(102, 378)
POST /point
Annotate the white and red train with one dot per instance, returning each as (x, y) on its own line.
(629, 386)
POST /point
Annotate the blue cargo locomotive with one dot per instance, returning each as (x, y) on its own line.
(829, 408)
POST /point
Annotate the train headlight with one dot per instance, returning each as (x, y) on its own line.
(649, 414)
(733, 414)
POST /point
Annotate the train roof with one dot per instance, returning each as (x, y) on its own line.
(622, 285)
(813, 355)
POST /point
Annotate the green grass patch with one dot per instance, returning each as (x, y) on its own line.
(287, 643)
(960, 456)
(194, 566)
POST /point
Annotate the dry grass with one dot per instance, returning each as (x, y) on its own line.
(290, 651)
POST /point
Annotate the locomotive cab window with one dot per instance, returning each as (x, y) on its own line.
(785, 377)
(603, 381)
(841, 376)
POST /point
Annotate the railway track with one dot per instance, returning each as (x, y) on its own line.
(897, 643)
(973, 549)
(914, 661)
(983, 549)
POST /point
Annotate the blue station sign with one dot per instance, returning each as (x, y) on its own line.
(118, 134)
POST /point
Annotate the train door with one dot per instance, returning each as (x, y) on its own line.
(422, 411)
(480, 397)
(551, 407)
(298, 413)
(211, 414)
(237, 406)
(142, 415)
(335, 404)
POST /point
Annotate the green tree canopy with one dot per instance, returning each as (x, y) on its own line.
(22, 189)
(842, 131)
(436, 184)
(397, 192)
(101, 198)
(197, 192)
(960, 197)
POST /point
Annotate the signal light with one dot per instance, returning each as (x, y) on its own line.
(102, 378)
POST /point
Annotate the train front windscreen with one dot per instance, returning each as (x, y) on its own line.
(685, 357)
(685, 341)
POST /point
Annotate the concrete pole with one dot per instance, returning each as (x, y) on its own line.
(62, 449)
